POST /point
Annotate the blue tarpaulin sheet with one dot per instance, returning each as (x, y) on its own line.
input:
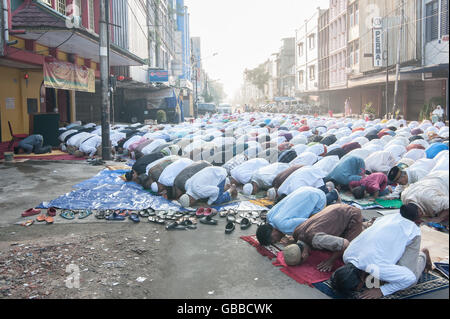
(107, 190)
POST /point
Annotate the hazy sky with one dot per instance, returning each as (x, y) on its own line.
(244, 32)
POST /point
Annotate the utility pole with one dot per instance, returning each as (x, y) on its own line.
(2, 29)
(104, 76)
(386, 19)
(149, 33)
(157, 42)
(397, 68)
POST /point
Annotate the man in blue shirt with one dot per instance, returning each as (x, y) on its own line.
(289, 213)
(32, 143)
(348, 170)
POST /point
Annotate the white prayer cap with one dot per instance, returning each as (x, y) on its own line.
(272, 193)
(248, 189)
(184, 200)
(154, 187)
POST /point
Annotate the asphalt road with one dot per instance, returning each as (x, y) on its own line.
(200, 263)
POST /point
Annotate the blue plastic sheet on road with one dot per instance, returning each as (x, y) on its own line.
(107, 190)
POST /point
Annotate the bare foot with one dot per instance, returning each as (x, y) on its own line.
(233, 191)
(429, 264)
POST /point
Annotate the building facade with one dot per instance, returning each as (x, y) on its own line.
(43, 35)
(307, 58)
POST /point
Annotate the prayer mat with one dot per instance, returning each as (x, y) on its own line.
(389, 203)
(426, 284)
(263, 202)
(270, 251)
(55, 155)
(436, 242)
(348, 198)
(306, 273)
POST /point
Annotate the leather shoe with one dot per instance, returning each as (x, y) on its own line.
(245, 223)
(229, 228)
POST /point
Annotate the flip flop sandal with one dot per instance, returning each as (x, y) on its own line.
(178, 215)
(231, 218)
(144, 213)
(238, 220)
(245, 223)
(223, 213)
(175, 226)
(209, 212)
(200, 212)
(49, 220)
(67, 214)
(41, 218)
(27, 223)
(100, 215)
(84, 214)
(124, 213)
(188, 223)
(255, 215)
(114, 217)
(51, 211)
(134, 217)
(208, 220)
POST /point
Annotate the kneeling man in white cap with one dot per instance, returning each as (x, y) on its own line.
(211, 184)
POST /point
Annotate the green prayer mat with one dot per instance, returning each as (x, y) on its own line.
(389, 203)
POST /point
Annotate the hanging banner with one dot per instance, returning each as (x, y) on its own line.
(377, 42)
(158, 75)
(68, 76)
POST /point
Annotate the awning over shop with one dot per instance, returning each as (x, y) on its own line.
(380, 78)
(429, 68)
(48, 28)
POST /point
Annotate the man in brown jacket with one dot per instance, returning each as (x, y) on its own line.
(331, 229)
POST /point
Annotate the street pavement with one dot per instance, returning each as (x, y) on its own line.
(200, 263)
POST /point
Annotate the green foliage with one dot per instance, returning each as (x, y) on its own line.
(161, 116)
(429, 107)
(369, 109)
(258, 76)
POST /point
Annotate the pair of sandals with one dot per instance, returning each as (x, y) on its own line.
(182, 225)
(205, 211)
(147, 213)
(156, 220)
(70, 215)
(225, 213)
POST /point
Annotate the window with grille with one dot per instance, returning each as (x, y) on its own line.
(312, 73)
(312, 41)
(350, 14)
(91, 14)
(300, 49)
(444, 17)
(77, 3)
(432, 20)
(351, 56)
(356, 14)
(61, 6)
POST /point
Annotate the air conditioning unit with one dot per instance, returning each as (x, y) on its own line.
(348, 71)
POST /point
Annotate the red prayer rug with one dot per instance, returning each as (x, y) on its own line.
(306, 273)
